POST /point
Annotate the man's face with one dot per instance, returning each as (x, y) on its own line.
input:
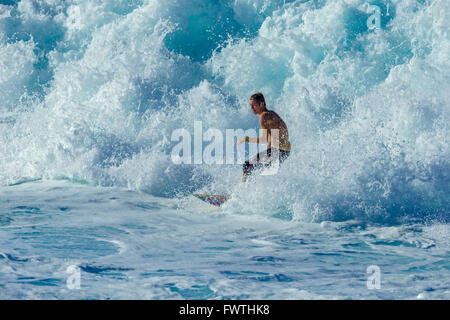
(256, 108)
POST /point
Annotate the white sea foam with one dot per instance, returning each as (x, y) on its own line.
(95, 90)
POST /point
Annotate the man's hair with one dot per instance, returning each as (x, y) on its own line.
(258, 97)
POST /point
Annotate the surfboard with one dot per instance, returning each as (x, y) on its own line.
(213, 199)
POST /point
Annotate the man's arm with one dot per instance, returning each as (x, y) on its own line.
(264, 121)
(261, 139)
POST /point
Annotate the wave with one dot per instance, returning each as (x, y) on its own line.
(93, 92)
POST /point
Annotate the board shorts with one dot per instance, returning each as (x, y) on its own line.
(264, 159)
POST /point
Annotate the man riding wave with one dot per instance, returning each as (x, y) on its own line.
(274, 133)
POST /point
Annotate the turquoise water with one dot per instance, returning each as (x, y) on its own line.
(92, 92)
(129, 245)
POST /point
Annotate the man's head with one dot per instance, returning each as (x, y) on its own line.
(257, 103)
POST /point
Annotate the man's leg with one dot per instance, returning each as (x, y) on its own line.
(257, 162)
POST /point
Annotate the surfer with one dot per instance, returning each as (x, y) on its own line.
(273, 132)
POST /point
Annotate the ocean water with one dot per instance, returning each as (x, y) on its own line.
(92, 205)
